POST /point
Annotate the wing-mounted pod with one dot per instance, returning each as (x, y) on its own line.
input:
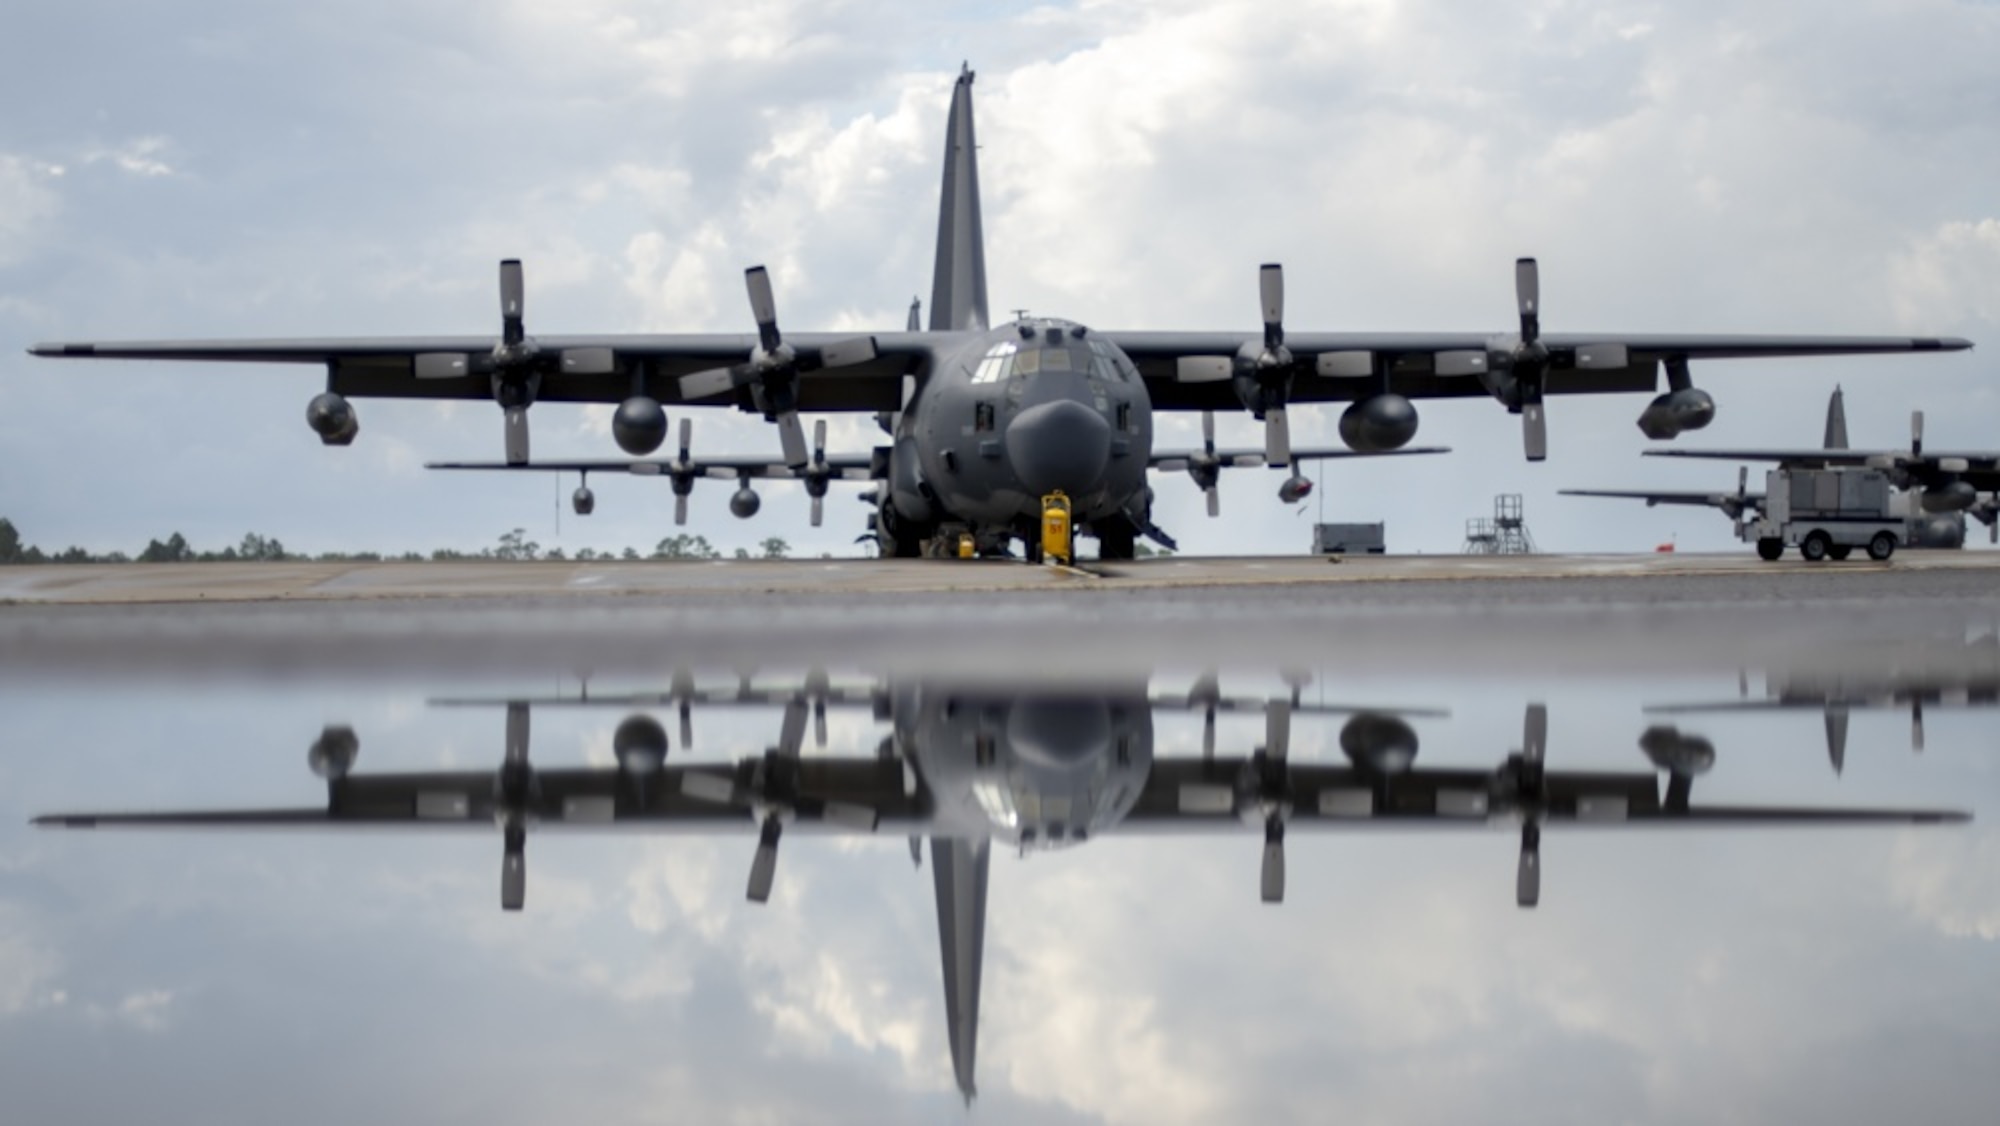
(1682, 407)
(517, 366)
(772, 372)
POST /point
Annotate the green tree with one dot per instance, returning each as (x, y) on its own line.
(10, 543)
(175, 550)
(684, 546)
(775, 548)
(517, 545)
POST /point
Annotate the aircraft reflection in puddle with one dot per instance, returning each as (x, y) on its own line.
(1914, 676)
(971, 764)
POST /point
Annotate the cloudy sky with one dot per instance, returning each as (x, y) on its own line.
(1843, 977)
(226, 168)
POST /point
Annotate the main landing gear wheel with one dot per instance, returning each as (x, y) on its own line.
(1116, 539)
(1770, 549)
(1839, 552)
(1882, 547)
(1815, 547)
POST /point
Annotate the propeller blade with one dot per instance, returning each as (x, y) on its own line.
(514, 870)
(1206, 797)
(763, 306)
(1599, 357)
(1203, 369)
(1277, 438)
(589, 361)
(1278, 728)
(680, 508)
(819, 441)
(792, 437)
(851, 816)
(1345, 365)
(517, 732)
(1208, 730)
(792, 735)
(1528, 876)
(846, 353)
(702, 384)
(513, 295)
(1271, 881)
(716, 789)
(1214, 500)
(1836, 736)
(442, 365)
(818, 509)
(1535, 732)
(1917, 724)
(1459, 363)
(516, 436)
(916, 852)
(1208, 431)
(1528, 298)
(1535, 431)
(764, 867)
(1916, 433)
(1271, 289)
(687, 438)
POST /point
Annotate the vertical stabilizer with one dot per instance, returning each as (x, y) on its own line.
(959, 869)
(1836, 421)
(958, 284)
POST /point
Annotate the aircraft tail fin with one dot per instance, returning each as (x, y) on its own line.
(1836, 421)
(958, 868)
(958, 283)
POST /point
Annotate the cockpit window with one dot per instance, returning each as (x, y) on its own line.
(1104, 363)
(1055, 359)
(993, 368)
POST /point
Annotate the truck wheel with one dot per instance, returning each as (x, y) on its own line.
(1839, 552)
(1815, 546)
(1882, 547)
(1770, 548)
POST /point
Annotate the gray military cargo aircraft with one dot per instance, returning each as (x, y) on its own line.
(990, 422)
(1939, 524)
(971, 765)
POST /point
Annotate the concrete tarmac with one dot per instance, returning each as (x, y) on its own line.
(93, 584)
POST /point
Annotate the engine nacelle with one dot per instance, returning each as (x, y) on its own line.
(1683, 755)
(640, 745)
(583, 500)
(333, 753)
(1377, 423)
(1945, 531)
(639, 425)
(744, 503)
(1295, 489)
(1675, 412)
(332, 418)
(1952, 496)
(1381, 744)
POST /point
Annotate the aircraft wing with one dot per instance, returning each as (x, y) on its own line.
(1190, 795)
(1253, 459)
(1664, 496)
(1978, 468)
(569, 798)
(575, 369)
(1416, 363)
(841, 467)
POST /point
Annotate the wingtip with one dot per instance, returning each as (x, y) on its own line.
(61, 821)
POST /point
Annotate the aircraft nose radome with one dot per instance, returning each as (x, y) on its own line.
(1061, 445)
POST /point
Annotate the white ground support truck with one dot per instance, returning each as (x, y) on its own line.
(1827, 513)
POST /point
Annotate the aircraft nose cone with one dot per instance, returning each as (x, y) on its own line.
(1058, 732)
(1061, 445)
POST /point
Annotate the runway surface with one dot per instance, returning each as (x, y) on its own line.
(94, 584)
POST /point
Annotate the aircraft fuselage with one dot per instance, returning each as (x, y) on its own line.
(1016, 413)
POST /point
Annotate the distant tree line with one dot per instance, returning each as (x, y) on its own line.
(513, 546)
